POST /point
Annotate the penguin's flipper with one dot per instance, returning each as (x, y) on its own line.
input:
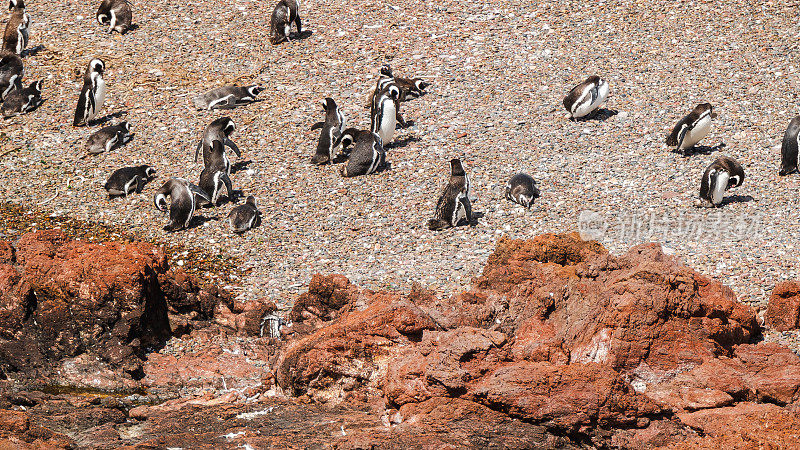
(400, 120)
(681, 134)
(139, 184)
(467, 209)
(197, 149)
(233, 147)
(317, 126)
(199, 192)
(228, 185)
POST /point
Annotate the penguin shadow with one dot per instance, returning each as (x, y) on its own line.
(33, 51)
(302, 36)
(476, 215)
(601, 115)
(239, 166)
(737, 199)
(107, 118)
(400, 143)
(199, 221)
(703, 149)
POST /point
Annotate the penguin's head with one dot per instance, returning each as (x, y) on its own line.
(594, 79)
(228, 126)
(97, 65)
(251, 201)
(456, 169)
(420, 84)
(706, 107)
(254, 90)
(149, 172)
(16, 4)
(161, 202)
(386, 70)
(36, 86)
(328, 104)
(394, 92)
(125, 125)
(348, 136)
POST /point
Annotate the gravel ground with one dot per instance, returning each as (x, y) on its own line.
(499, 71)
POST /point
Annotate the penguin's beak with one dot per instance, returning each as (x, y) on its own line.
(713, 115)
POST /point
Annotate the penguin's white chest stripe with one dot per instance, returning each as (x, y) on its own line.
(460, 212)
(220, 100)
(388, 119)
(719, 187)
(129, 184)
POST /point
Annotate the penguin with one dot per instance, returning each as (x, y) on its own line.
(521, 188)
(384, 115)
(106, 138)
(454, 205)
(692, 128)
(411, 88)
(93, 93)
(791, 142)
(218, 130)
(11, 72)
(723, 174)
(227, 97)
(216, 175)
(244, 217)
(285, 12)
(586, 97)
(184, 199)
(366, 157)
(128, 179)
(331, 133)
(15, 38)
(21, 101)
(116, 14)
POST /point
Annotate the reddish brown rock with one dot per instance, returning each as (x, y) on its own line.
(746, 425)
(783, 309)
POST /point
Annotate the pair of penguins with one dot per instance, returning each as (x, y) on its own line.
(585, 99)
(368, 154)
(15, 99)
(186, 197)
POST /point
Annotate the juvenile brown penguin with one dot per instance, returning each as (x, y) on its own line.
(454, 205)
(116, 14)
(244, 217)
(285, 12)
(21, 101)
(521, 188)
(15, 38)
(724, 173)
(11, 72)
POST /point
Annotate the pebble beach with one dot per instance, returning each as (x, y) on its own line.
(498, 73)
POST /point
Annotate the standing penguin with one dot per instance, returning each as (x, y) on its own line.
(454, 205)
(93, 93)
(128, 179)
(216, 174)
(285, 12)
(366, 157)
(181, 209)
(218, 130)
(15, 38)
(11, 72)
(384, 115)
(106, 138)
(227, 97)
(692, 128)
(331, 133)
(791, 142)
(116, 14)
(723, 174)
(244, 217)
(586, 97)
(21, 101)
(522, 189)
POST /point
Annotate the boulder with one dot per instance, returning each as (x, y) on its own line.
(783, 308)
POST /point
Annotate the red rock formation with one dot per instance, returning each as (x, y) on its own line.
(783, 308)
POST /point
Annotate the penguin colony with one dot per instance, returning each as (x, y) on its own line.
(363, 151)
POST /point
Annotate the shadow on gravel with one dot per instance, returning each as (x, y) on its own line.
(32, 51)
(702, 150)
(198, 221)
(400, 143)
(601, 115)
(238, 166)
(304, 35)
(107, 118)
(737, 199)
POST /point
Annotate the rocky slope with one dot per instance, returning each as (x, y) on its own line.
(559, 344)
